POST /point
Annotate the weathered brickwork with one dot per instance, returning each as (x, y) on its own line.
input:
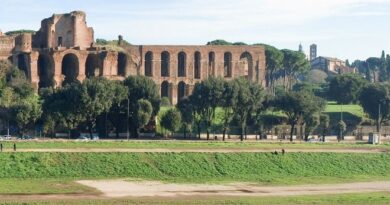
(63, 51)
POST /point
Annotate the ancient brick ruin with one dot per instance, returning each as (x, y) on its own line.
(63, 51)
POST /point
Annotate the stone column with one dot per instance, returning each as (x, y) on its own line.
(82, 60)
(34, 77)
(173, 93)
(58, 77)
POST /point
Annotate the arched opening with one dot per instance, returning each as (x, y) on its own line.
(23, 63)
(247, 64)
(197, 65)
(122, 64)
(149, 64)
(94, 66)
(165, 61)
(70, 68)
(164, 89)
(181, 90)
(227, 65)
(181, 64)
(212, 64)
(45, 71)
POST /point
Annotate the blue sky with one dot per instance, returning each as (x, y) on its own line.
(353, 29)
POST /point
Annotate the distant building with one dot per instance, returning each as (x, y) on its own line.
(313, 51)
(331, 65)
(300, 48)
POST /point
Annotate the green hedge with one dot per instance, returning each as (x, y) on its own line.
(198, 167)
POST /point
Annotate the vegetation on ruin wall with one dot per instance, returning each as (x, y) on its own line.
(291, 168)
(17, 32)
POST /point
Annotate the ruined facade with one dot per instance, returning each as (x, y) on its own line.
(63, 51)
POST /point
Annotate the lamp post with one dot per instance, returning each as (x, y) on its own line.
(127, 124)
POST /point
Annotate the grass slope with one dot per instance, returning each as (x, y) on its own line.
(265, 168)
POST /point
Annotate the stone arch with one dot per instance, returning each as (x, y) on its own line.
(24, 63)
(165, 64)
(211, 63)
(227, 65)
(45, 71)
(181, 90)
(197, 65)
(181, 64)
(122, 64)
(149, 64)
(93, 66)
(246, 61)
(164, 89)
(70, 68)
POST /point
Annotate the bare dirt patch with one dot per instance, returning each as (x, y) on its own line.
(123, 188)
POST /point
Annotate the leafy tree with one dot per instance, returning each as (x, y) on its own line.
(311, 123)
(297, 105)
(207, 95)
(171, 120)
(239, 44)
(250, 98)
(228, 102)
(219, 42)
(274, 62)
(373, 65)
(316, 76)
(294, 63)
(140, 87)
(165, 102)
(64, 106)
(144, 113)
(21, 31)
(25, 113)
(324, 125)
(187, 114)
(375, 100)
(97, 97)
(342, 127)
(118, 111)
(345, 88)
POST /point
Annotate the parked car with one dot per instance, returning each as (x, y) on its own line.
(26, 137)
(7, 137)
(82, 138)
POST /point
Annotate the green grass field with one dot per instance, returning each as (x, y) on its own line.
(262, 168)
(355, 199)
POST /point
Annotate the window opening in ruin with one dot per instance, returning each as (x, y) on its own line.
(165, 63)
(181, 64)
(181, 90)
(165, 89)
(122, 64)
(227, 65)
(211, 64)
(149, 64)
(70, 68)
(45, 71)
(197, 65)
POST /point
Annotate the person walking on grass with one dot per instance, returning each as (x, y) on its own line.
(14, 147)
(1, 147)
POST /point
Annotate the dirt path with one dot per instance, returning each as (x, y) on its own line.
(209, 150)
(122, 188)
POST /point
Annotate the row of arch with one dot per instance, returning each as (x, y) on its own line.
(70, 66)
(181, 90)
(246, 58)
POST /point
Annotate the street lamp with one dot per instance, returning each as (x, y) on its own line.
(127, 124)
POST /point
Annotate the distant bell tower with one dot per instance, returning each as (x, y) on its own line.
(313, 51)
(300, 48)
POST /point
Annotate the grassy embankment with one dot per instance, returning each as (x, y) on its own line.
(262, 168)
